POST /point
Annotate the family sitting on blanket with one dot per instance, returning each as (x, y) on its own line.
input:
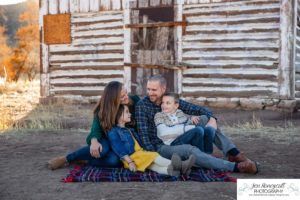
(100, 152)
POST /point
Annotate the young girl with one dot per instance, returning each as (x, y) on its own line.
(124, 142)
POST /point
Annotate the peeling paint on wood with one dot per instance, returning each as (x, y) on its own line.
(286, 32)
(44, 77)
(105, 5)
(94, 57)
(297, 49)
(64, 6)
(242, 47)
(84, 6)
(127, 50)
(74, 6)
(53, 6)
(94, 5)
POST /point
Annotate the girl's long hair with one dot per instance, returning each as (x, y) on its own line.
(108, 105)
(119, 113)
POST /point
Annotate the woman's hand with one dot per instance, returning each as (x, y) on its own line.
(95, 148)
(195, 119)
(132, 166)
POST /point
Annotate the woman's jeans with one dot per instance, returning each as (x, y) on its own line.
(107, 157)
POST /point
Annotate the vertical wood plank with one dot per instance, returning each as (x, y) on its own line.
(116, 5)
(286, 61)
(199, 1)
(133, 4)
(53, 6)
(154, 2)
(94, 5)
(84, 5)
(178, 46)
(145, 21)
(179, 2)
(166, 2)
(105, 5)
(44, 54)
(143, 3)
(74, 6)
(64, 6)
(143, 74)
(43, 11)
(127, 47)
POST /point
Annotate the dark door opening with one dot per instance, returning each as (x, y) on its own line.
(152, 46)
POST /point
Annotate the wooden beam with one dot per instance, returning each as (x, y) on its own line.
(229, 94)
(286, 71)
(156, 25)
(150, 66)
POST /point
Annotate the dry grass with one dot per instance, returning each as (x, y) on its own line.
(255, 128)
(255, 123)
(20, 110)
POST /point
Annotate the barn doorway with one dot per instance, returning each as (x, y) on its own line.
(152, 46)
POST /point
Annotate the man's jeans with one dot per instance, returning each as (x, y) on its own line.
(220, 140)
(203, 159)
(107, 157)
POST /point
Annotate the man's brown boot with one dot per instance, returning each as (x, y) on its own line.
(249, 167)
(58, 162)
(238, 158)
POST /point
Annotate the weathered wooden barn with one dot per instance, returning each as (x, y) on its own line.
(224, 53)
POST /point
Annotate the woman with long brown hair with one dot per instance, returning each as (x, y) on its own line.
(98, 151)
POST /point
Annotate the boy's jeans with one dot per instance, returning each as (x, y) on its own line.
(194, 137)
(107, 157)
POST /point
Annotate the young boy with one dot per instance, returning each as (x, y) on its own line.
(175, 128)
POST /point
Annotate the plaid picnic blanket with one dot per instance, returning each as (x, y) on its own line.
(95, 174)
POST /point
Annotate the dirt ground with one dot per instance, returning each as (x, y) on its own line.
(272, 139)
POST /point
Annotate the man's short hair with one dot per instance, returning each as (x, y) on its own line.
(157, 77)
(172, 94)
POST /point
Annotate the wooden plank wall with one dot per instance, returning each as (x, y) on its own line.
(150, 3)
(297, 63)
(81, 6)
(95, 56)
(234, 47)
